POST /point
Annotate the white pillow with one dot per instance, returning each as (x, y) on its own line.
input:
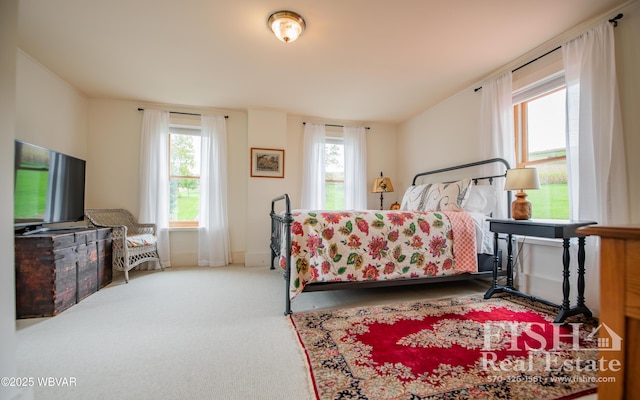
(447, 196)
(413, 198)
(482, 199)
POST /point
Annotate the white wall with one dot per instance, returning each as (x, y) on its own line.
(8, 40)
(276, 129)
(444, 135)
(382, 145)
(112, 171)
(113, 149)
(447, 134)
(50, 112)
(382, 156)
(266, 129)
(44, 110)
(107, 134)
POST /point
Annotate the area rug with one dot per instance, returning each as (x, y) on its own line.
(457, 348)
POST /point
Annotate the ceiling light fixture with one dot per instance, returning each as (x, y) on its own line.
(286, 25)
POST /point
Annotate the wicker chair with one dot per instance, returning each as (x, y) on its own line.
(133, 243)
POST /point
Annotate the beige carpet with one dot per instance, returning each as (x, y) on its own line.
(186, 333)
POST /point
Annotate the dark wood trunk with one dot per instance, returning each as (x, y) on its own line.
(56, 270)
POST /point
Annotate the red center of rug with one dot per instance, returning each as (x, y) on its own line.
(404, 342)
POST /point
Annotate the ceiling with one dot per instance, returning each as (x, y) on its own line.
(358, 60)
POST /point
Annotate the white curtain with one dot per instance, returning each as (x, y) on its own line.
(154, 183)
(213, 230)
(595, 149)
(496, 129)
(355, 168)
(313, 194)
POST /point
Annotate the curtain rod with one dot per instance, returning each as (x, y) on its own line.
(337, 126)
(613, 20)
(182, 113)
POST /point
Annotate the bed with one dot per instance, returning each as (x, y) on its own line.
(440, 234)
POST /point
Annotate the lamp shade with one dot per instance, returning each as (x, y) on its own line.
(286, 25)
(521, 179)
(382, 185)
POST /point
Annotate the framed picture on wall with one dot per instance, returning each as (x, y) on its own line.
(267, 163)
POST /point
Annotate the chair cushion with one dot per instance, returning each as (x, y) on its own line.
(146, 239)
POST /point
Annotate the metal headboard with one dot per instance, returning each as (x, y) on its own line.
(476, 179)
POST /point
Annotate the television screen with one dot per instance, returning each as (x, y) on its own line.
(49, 186)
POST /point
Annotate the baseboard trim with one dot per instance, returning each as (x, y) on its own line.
(256, 259)
(238, 257)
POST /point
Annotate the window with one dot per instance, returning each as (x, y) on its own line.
(540, 125)
(184, 176)
(334, 173)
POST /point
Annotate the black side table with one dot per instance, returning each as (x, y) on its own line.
(554, 229)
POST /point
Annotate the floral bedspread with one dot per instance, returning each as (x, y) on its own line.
(332, 246)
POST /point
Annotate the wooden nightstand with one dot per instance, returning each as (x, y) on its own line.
(552, 229)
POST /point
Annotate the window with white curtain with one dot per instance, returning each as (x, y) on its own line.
(540, 141)
(334, 173)
(334, 168)
(184, 175)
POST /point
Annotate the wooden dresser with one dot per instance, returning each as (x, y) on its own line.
(620, 306)
(56, 270)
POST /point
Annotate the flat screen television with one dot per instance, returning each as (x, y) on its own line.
(48, 187)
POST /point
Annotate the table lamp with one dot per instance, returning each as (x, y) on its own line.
(382, 185)
(521, 179)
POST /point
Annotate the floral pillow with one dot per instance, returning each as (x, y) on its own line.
(447, 196)
(413, 198)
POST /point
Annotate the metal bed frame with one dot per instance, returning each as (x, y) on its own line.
(281, 225)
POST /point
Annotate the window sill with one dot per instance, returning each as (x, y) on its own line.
(182, 228)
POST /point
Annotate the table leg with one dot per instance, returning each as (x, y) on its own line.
(566, 285)
(494, 284)
(581, 307)
(581, 257)
(566, 311)
(510, 261)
